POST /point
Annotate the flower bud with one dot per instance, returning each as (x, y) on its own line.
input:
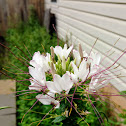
(52, 68)
(66, 113)
(52, 53)
(88, 65)
(63, 63)
(81, 51)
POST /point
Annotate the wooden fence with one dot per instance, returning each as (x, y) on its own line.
(13, 11)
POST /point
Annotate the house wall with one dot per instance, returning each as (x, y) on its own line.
(83, 21)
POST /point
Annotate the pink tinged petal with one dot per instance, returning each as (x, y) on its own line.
(58, 82)
(77, 57)
(72, 76)
(33, 63)
(67, 52)
(95, 59)
(75, 68)
(47, 100)
(97, 83)
(44, 99)
(82, 66)
(98, 58)
(82, 70)
(51, 87)
(41, 61)
(52, 95)
(38, 75)
(67, 83)
(37, 57)
(35, 85)
(46, 66)
(65, 47)
(85, 76)
(47, 57)
(62, 52)
(101, 84)
(85, 54)
(92, 71)
(45, 62)
(58, 51)
(57, 103)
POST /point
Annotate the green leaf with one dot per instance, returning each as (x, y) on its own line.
(4, 107)
(59, 119)
(123, 93)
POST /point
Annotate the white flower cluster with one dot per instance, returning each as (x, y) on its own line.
(65, 73)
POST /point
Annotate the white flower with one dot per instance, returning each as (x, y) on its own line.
(94, 61)
(48, 99)
(81, 72)
(38, 80)
(41, 61)
(60, 83)
(97, 82)
(77, 56)
(62, 52)
(73, 77)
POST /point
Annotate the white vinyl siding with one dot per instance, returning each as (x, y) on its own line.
(83, 21)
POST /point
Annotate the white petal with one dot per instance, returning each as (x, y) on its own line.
(67, 82)
(58, 82)
(75, 68)
(65, 47)
(83, 72)
(72, 76)
(37, 57)
(97, 82)
(98, 58)
(58, 51)
(51, 87)
(47, 100)
(85, 54)
(37, 74)
(67, 52)
(35, 85)
(82, 66)
(33, 63)
(77, 56)
(44, 99)
(47, 57)
(57, 103)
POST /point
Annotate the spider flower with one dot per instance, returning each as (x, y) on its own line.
(55, 78)
(77, 56)
(60, 84)
(97, 82)
(42, 61)
(48, 99)
(81, 72)
(38, 78)
(62, 52)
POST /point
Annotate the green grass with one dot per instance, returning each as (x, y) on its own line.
(29, 37)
